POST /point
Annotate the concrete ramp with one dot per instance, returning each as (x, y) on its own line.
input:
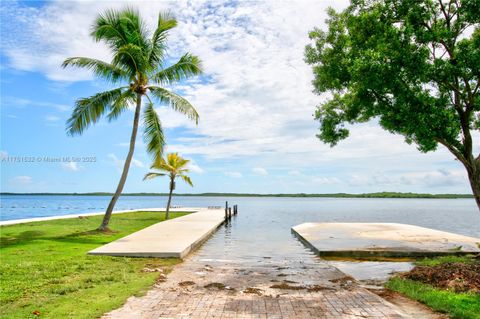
(172, 238)
(382, 239)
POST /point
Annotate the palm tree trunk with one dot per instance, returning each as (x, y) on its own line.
(172, 186)
(126, 166)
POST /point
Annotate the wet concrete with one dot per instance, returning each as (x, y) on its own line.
(290, 289)
(371, 274)
(382, 239)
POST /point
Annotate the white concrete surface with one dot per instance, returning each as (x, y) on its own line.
(172, 238)
(382, 239)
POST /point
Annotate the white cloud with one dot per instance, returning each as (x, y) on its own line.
(21, 102)
(326, 180)
(295, 173)
(428, 179)
(138, 163)
(21, 180)
(119, 163)
(193, 167)
(52, 118)
(259, 171)
(255, 101)
(3, 155)
(70, 166)
(234, 174)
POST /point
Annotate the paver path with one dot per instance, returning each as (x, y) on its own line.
(239, 291)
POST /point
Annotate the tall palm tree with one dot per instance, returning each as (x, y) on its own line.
(175, 166)
(139, 63)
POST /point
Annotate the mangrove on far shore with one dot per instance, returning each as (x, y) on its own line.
(333, 195)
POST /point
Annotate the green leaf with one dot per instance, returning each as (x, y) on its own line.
(88, 111)
(153, 133)
(175, 101)
(188, 66)
(100, 68)
(166, 22)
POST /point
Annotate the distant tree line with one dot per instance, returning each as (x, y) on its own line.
(334, 195)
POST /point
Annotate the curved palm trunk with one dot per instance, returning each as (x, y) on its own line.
(126, 166)
(172, 187)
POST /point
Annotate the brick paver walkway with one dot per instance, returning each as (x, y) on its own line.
(270, 290)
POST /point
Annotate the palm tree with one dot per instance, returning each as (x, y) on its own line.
(138, 62)
(175, 166)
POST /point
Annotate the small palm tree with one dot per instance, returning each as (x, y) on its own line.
(138, 62)
(175, 166)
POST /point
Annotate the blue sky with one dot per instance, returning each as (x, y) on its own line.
(256, 130)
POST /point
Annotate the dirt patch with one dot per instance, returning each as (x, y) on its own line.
(316, 288)
(215, 285)
(148, 269)
(161, 278)
(343, 280)
(459, 277)
(186, 283)
(251, 290)
(311, 288)
(286, 286)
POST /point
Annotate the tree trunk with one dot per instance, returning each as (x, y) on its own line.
(126, 166)
(474, 178)
(172, 186)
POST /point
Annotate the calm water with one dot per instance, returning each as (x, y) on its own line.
(260, 233)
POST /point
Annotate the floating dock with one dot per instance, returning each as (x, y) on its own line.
(382, 240)
(172, 238)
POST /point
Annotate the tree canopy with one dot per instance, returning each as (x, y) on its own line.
(413, 65)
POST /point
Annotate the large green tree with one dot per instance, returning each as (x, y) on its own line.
(412, 64)
(138, 62)
(174, 166)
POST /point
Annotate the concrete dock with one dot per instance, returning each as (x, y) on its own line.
(172, 238)
(382, 239)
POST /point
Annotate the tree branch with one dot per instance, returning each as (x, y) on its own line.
(454, 151)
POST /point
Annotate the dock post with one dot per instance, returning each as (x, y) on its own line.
(229, 212)
(226, 210)
(235, 210)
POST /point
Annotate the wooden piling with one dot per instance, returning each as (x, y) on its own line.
(229, 212)
(226, 210)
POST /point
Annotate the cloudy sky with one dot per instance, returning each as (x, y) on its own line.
(256, 131)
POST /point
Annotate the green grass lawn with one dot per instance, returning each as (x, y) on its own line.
(456, 305)
(44, 267)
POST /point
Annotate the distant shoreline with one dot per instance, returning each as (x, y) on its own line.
(299, 195)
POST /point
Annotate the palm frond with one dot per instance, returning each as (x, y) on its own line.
(130, 57)
(188, 65)
(119, 28)
(100, 68)
(186, 179)
(152, 175)
(175, 101)
(153, 133)
(165, 22)
(121, 104)
(161, 165)
(87, 111)
(173, 165)
(107, 28)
